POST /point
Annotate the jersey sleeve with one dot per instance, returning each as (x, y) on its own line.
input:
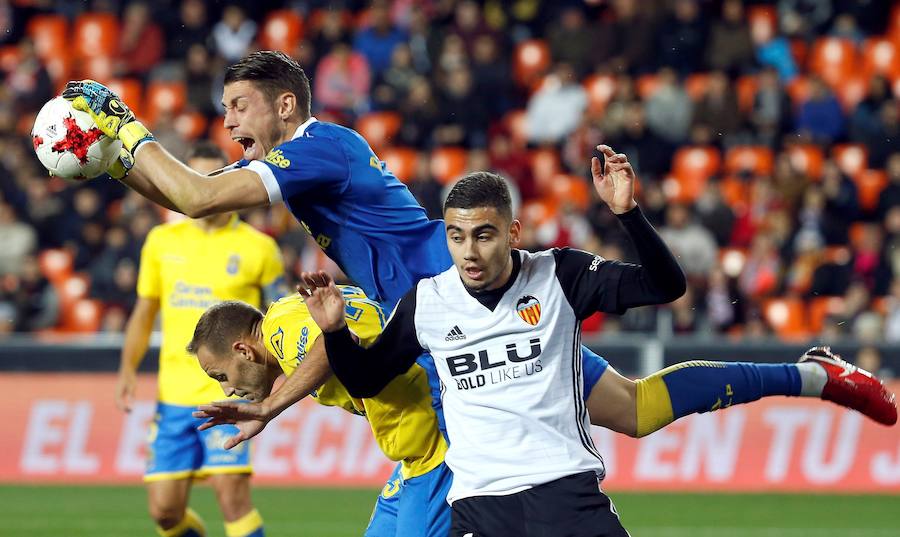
(366, 371)
(589, 282)
(301, 165)
(149, 281)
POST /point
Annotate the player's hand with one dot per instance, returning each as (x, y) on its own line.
(125, 386)
(323, 299)
(249, 418)
(122, 165)
(111, 115)
(615, 183)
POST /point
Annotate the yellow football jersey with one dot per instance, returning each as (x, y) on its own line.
(189, 269)
(401, 416)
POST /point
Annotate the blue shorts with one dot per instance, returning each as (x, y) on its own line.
(177, 450)
(414, 507)
(417, 507)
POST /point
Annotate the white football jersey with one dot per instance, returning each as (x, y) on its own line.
(511, 380)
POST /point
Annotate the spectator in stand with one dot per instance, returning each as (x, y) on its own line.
(118, 246)
(141, 43)
(845, 27)
(771, 109)
(469, 24)
(884, 142)
(691, 243)
(682, 46)
(774, 51)
(572, 40)
(718, 110)
(234, 34)
(28, 82)
(622, 44)
(762, 270)
(377, 41)
(424, 39)
(820, 117)
(869, 358)
(510, 160)
(493, 77)
(841, 204)
(685, 318)
(191, 28)
(18, 239)
(870, 260)
(393, 84)
(730, 46)
(892, 319)
(669, 110)
(788, 183)
(35, 300)
(864, 124)
(420, 114)
(890, 196)
(342, 82)
(714, 213)
(330, 32)
(804, 18)
(426, 189)
(722, 299)
(462, 119)
(199, 81)
(613, 119)
(555, 110)
(649, 155)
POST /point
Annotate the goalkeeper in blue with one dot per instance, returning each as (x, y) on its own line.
(372, 227)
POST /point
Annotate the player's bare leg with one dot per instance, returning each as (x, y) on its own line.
(638, 408)
(233, 495)
(167, 503)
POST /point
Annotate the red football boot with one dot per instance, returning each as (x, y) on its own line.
(853, 387)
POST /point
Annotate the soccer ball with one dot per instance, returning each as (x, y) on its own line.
(68, 143)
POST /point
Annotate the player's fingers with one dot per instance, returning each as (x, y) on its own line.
(595, 166)
(234, 440)
(606, 150)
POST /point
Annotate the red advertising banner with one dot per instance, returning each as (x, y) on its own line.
(65, 428)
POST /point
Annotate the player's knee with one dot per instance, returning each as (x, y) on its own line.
(166, 516)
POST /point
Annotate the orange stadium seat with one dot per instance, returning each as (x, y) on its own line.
(51, 41)
(850, 158)
(600, 90)
(692, 166)
(72, 288)
(746, 92)
(571, 189)
(822, 306)
(220, 136)
(282, 30)
(55, 264)
(448, 163)
(798, 90)
(755, 158)
(82, 316)
(517, 125)
(787, 316)
(164, 98)
(99, 68)
(646, 85)
(799, 51)
(881, 56)
(852, 90)
(378, 128)
(401, 161)
(95, 34)
(893, 29)
(131, 91)
(696, 85)
(807, 159)
(735, 192)
(190, 125)
(763, 22)
(531, 60)
(869, 184)
(834, 59)
(317, 18)
(9, 56)
(538, 212)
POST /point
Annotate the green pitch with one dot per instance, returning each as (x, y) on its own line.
(52, 511)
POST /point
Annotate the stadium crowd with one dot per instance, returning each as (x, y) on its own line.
(766, 137)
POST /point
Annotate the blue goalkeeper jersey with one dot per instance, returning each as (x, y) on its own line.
(362, 216)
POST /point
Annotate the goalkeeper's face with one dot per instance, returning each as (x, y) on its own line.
(480, 240)
(252, 119)
(241, 371)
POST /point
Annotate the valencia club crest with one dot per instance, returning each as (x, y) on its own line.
(529, 309)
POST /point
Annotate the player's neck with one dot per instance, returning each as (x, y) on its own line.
(212, 223)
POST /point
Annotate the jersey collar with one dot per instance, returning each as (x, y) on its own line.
(302, 128)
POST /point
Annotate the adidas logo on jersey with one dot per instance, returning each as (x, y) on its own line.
(455, 334)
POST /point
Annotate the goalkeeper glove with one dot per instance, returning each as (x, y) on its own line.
(110, 114)
(121, 166)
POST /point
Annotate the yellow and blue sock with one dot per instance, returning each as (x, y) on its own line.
(190, 526)
(701, 386)
(249, 525)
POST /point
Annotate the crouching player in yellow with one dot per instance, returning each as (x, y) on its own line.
(186, 267)
(246, 351)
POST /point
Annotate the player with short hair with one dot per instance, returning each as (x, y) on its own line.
(502, 327)
(186, 267)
